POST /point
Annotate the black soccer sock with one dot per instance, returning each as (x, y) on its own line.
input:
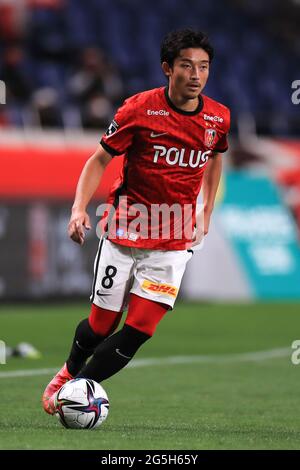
(84, 344)
(113, 354)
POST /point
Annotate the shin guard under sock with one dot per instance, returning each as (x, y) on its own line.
(113, 354)
(84, 344)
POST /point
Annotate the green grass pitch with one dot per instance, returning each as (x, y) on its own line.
(218, 397)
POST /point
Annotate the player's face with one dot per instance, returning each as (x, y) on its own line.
(189, 73)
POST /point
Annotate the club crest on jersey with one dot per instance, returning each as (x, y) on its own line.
(114, 126)
(209, 137)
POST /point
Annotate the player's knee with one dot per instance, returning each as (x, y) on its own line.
(104, 322)
(144, 315)
(131, 339)
(125, 343)
(146, 327)
(86, 336)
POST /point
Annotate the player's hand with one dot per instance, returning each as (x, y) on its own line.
(206, 220)
(79, 221)
(197, 237)
(202, 225)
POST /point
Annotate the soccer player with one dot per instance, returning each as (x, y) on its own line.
(172, 139)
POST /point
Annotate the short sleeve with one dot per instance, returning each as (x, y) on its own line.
(222, 143)
(119, 134)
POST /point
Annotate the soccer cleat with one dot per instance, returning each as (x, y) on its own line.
(49, 403)
(56, 383)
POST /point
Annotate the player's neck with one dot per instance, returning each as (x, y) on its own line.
(182, 103)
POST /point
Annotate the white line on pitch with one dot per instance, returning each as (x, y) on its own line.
(256, 356)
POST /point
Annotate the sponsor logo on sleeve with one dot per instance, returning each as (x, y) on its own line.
(114, 126)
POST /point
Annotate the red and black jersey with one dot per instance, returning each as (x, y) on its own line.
(166, 150)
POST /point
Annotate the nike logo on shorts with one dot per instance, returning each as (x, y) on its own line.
(101, 295)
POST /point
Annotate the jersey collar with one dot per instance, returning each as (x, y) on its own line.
(181, 111)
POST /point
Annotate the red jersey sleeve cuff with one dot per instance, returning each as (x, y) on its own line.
(109, 149)
(221, 150)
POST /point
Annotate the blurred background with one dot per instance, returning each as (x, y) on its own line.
(66, 66)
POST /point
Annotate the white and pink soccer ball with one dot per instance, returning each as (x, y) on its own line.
(81, 404)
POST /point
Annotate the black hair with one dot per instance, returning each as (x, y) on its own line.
(183, 39)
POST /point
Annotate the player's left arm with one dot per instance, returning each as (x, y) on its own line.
(211, 179)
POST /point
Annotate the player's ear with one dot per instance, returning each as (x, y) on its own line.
(166, 69)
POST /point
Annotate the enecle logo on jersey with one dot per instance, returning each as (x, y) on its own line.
(181, 157)
(213, 118)
(157, 112)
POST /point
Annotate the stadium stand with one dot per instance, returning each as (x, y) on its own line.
(50, 47)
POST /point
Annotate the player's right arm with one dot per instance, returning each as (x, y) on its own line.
(116, 141)
(87, 184)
